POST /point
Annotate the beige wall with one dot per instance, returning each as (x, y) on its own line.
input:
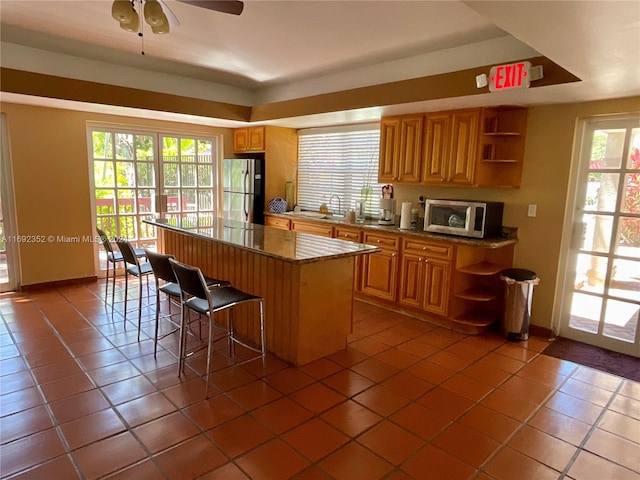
(52, 189)
(548, 156)
(281, 158)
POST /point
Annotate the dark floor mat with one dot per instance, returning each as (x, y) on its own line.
(619, 364)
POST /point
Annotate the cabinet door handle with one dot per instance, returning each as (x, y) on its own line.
(426, 260)
(393, 254)
(419, 259)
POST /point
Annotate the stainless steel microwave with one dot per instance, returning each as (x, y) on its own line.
(464, 218)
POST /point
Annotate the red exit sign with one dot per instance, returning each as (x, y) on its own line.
(506, 77)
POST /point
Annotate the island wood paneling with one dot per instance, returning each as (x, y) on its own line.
(308, 306)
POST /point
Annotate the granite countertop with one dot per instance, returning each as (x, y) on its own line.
(372, 225)
(272, 242)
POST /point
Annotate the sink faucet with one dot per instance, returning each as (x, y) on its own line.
(331, 198)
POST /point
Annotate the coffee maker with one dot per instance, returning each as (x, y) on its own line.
(387, 206)
(387, 211)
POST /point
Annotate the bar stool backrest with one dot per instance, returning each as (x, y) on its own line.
(105, 240)
(190, 279)
(127, 251)
(161, 267)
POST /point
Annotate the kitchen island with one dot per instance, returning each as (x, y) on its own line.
(306, 281)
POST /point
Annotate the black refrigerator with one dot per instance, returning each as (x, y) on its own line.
(243, 189)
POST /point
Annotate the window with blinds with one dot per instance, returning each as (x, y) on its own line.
(340, 161)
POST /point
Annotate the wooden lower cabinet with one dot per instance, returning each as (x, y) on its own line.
(352, 234)
(348, 233)
(277, 222)
(379, 275)
(315, 228)
(459, 284)
(425, 276)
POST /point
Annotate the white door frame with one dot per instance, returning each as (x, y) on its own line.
(8, 211)
(570, 235)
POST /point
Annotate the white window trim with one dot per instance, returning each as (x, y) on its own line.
(314, 190)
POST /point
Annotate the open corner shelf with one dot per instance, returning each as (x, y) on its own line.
(474, 322)
(478, 294)
(503, 134)
(482, 268)
(500, 160)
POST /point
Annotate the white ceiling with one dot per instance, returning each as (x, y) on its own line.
(279, 50)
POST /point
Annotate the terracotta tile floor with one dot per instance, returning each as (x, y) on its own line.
(82, 398)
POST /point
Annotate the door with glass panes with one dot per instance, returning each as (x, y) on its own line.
(137, 175)
(602, 284)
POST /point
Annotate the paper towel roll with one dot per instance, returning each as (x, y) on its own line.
(405, 216)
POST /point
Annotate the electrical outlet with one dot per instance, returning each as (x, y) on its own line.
(533, 210)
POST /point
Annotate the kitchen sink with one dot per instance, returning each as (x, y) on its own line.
(309, 214)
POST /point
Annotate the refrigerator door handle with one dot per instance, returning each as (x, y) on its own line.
(245, 191)
(246, 181)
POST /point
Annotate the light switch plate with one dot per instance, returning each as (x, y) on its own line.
(533, 210)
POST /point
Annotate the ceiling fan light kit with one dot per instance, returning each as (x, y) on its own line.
(155, 13)
(155, 17)
(132, 24)
(124, 12)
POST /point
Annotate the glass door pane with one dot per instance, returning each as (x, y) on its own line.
(124, 177)
(604, 283)
(188, 177)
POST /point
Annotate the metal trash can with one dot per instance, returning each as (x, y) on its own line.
(517, 302)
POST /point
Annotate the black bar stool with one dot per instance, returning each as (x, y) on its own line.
(113, 258)
(197, 296)
(138, 270)
(163, 271)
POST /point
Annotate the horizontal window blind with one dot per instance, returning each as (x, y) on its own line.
(343, 162)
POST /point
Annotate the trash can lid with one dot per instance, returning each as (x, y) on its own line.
(518, 274)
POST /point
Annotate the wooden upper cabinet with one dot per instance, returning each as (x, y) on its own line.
(450, 147)
(481, 147)
(248, 140)
(464, 146)
(410, 154)
(437, 140)
(400, 149)
(389, 147)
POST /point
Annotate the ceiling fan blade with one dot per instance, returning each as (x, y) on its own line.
(233, 7)
(171, 17)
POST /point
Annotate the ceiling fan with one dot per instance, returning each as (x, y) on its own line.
(159, 16)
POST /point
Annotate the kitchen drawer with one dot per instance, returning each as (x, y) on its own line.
(345, 233)
(322, 230)
(432, 250)
(388, 242)
(282, 223)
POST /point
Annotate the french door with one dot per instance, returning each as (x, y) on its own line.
(602, 281)
(137, 175)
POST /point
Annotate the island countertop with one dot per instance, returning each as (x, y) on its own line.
(284, 245)
(306, 281)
